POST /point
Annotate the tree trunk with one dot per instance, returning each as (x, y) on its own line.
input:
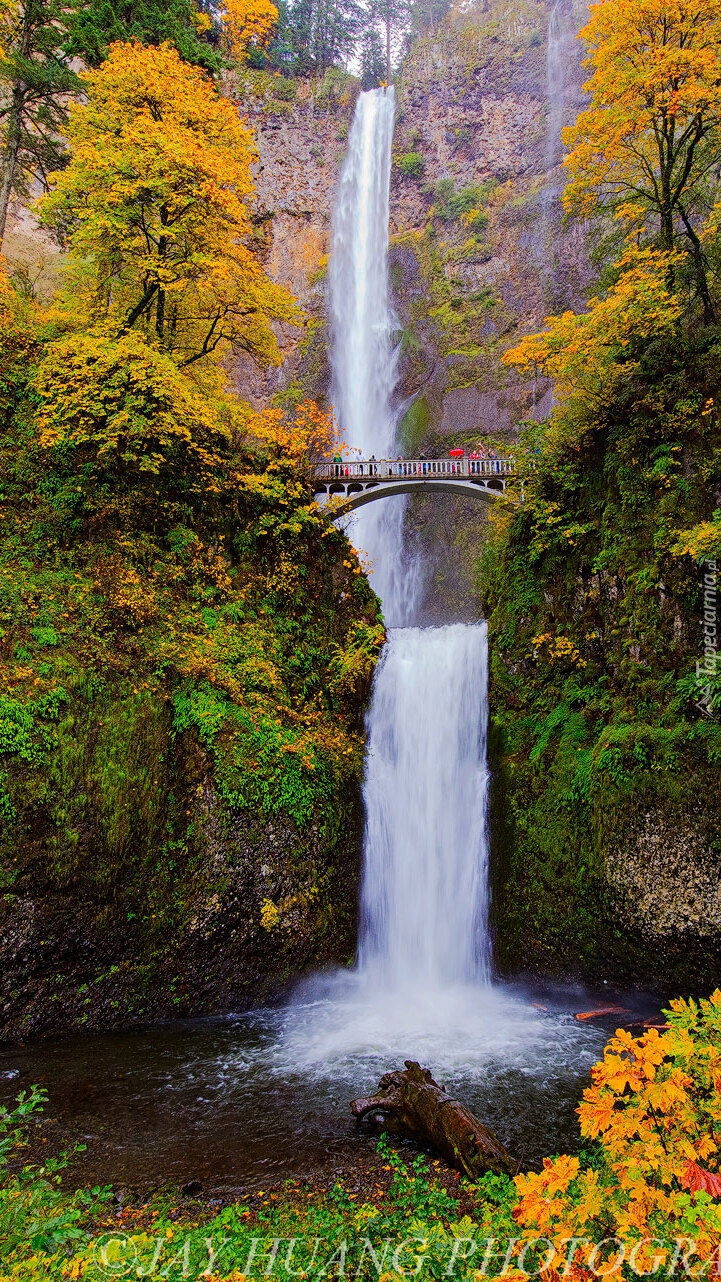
(11, 151)
(422, 1108)
(699, 263)
(9, 168)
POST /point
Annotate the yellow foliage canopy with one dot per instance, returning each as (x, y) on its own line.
(154, 197)
(129, 415)
(8, 20)
(646, 145)
(308, 431)
(702, 542)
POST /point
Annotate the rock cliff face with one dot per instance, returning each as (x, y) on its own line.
(132, 926)
(301, 142)
(478, 252)
(482, 217)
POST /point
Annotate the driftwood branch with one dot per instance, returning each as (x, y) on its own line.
(421, 1107)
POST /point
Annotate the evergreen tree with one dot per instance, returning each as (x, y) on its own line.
(372, 59)
(324, 32)
(426, 15)
(98, 23)
(37, 77)
(393, 16)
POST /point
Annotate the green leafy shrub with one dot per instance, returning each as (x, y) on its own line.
(451, 204)
(36, 1216)
(412, 164)
(353, 663)
(284, 89)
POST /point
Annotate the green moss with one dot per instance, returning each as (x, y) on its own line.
(595, 626)
(451, 204)
(176, 671)
(415, 425)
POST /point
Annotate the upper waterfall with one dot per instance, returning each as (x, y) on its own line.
(364, 349)
(362, 320)
(561, 54)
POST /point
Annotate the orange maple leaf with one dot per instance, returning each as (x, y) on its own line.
(697, 1180)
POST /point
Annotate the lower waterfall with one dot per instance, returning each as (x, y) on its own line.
(424, 916)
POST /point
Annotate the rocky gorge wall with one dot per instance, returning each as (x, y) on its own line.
(124, 902)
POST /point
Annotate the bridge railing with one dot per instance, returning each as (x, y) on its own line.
(397, 469)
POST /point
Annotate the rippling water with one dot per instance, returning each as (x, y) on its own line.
(247, 1101)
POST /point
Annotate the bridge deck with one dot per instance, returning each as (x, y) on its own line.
(347, 485)
(401, 469)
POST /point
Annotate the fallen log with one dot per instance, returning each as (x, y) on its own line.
(422, 1109)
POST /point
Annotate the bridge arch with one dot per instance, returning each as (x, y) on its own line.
(355, 495)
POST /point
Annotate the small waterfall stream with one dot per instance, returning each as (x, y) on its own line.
(562, 103)
(561, 56)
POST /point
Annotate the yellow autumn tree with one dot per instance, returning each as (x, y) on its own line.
(587, 353)
(7, 12)
(305, 433)
(645, 148)
(128, 421)
(154, 207)
(248, 24)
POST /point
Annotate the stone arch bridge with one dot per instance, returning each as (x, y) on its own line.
(346, 486)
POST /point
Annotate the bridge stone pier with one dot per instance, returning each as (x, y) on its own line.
(346, 485)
